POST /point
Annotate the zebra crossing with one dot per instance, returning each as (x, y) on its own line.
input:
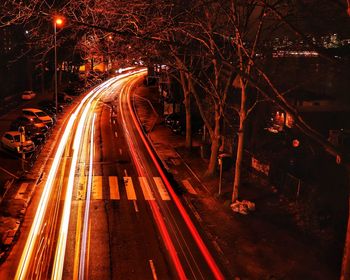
(122, 187)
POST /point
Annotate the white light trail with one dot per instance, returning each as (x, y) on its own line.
(39, 216)
(87, 204)
(62, 237)
(34, 232)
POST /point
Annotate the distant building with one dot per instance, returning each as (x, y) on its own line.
(13, 75)
(6, 40)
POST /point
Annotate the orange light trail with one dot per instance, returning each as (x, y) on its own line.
(157, 215)
(199, 241)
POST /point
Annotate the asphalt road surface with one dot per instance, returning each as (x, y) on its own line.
(107, 210)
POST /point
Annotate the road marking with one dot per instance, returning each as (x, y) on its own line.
(116, 134)
(129, 186)
(153, 269)
(120, 151)
(97, 187)
(81, 190)
(84, 253)
(135, 206)
(97, 191)
(113, 187)
(147, 192)
(88, 252)
(161, 188)
(188, 186)
(113, 121)
(21, 191)
(77, 240)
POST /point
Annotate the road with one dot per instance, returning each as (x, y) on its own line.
(107, 210)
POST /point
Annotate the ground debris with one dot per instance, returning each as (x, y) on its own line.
(243, 207)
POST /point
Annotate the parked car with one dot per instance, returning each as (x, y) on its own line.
(36, 136)
(179, 126)
(11, 140)
(41, 115)
(171, 119)
(64, 98)
(37, 133)
(51, 113)
(29, 123)
(50, 106)
(74, 90)
(28, 95)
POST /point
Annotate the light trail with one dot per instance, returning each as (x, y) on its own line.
(34, 233)
(62, 237)
(87, 204)
(155, 209)
(196, 236)
(38, 219)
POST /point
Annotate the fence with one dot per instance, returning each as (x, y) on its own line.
(288, 184)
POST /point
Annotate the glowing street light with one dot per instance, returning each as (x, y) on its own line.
(58, 21)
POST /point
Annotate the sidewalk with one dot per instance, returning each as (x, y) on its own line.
(262, 245)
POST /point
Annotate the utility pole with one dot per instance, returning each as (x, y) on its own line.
(220, 179)
(58, 21)
(22, 140)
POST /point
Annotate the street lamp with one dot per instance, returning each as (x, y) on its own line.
(109, 60)
(58, 21)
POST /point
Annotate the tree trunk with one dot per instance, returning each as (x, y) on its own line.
(187, 103)
(345, 273)
(240, 146)
(185, 80)
(215, 144)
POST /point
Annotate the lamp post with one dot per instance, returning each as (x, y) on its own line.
(220, 179)
(221, 158)
(57, 22)
(109, 60)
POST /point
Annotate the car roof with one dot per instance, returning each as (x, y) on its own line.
(13, 133)
(32, 109)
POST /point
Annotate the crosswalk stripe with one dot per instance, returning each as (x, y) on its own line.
(188, 186)
(97, 187)
(147, 192)
(129, 187)
(161, 188)
(113, 187)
